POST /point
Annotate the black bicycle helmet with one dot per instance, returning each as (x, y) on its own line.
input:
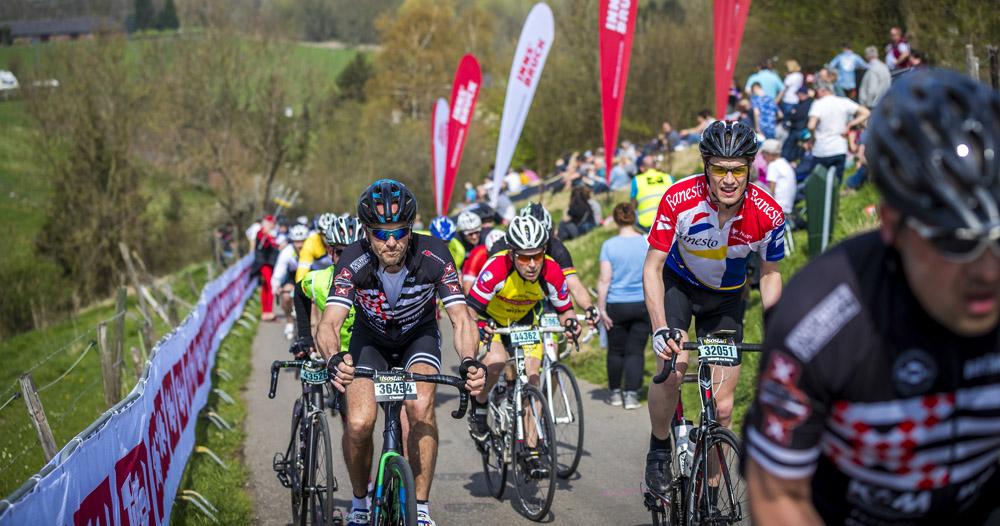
(728, 139)
(385, 192)
(933, 145)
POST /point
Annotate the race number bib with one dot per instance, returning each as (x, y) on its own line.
(392, 387)
(525, 337)
(719, 352)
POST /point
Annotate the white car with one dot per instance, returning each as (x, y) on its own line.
(8, 81)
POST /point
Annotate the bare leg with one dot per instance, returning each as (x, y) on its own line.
(423, 433)
(357, 440)
(662, 398)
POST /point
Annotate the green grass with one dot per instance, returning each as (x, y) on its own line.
(224, 487)
(24, 189)
(76, 400)
(591, 363)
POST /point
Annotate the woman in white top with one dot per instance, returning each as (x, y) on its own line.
(793, 81)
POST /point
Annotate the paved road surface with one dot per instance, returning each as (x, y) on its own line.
(604, 491)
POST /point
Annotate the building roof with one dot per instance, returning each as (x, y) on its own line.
(60, 26)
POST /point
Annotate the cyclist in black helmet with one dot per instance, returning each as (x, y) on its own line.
(879, 393)
(706, 229)
(391, 278)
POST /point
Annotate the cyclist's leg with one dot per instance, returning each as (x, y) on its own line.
(723, 313)
(532, 366)
(494, 360)
(423, 356)
(361, 414)
(662, 398)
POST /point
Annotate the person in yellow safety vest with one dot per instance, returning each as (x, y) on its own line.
(648, 188)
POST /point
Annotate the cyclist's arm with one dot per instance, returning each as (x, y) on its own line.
(581, 297)
(303, 312)
(328, 331)
(770, 283)
(779, 501)
(465, 333)
(652, 287)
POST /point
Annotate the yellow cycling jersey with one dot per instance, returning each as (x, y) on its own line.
(500, 293)
(314, 248)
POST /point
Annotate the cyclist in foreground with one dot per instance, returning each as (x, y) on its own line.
(706, 228)
(510, 290)
(879, 394)
(391, 278)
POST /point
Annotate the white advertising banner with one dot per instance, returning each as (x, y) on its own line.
(439, 151)
(126, 469)
(529, 60)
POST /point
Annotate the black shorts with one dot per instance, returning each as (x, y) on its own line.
(712, 311)
(422, 345)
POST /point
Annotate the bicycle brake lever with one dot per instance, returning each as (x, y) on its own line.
(275, 367)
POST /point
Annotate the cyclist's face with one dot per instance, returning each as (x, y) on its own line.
(297, 245)
(529, 263)
(962, 296)
(472, 236)
(391, 251)
(727, 179)
(334, 252)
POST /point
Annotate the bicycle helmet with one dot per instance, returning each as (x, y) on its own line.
(355, 230)
(341, 232)
(386, 192)
(468, 220)
(324, 221)
(933, 144)
(298, 233)
(728, 139)
(539, 212)
(443, 228)
(526, 233)
(492, 237)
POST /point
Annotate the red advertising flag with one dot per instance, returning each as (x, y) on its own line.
(729, 21)
(464, 92)
(617, 27)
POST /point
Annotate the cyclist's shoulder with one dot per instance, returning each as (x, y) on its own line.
(552, 271)
(764, 208)
(431, 254)
(356, 260)
(313, 246)
(687, 192)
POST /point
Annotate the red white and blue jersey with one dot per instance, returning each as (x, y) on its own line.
(705, 253)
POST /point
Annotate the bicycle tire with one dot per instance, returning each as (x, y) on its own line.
(399, 495)
(569, 434)
(319, 471)
(536, 508)
(294, 459)
(735, 497)
(494, 467)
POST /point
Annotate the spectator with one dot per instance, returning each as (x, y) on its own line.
(845, 64)
(897, 51)
(765, 111)
(744, 113)
(513, 181)
(579, 216)
(793, 81)
(796, 121)
(470, 193)
(768, 79)
(860, 176)
(693, 135)
(668, 138)
(780, 177)
(876, 80)
(830, 76)
(830, 118)
(647, 189)
(917, 59)
(528, 176)
(623, 309)
(619, 174)
(265, 256)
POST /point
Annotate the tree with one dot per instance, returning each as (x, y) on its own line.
(352, 80)
(145, 15)
(167, 18)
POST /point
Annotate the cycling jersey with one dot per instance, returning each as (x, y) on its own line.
(474, 263)
(705, 253)
(429, 270)
(896, 419)
(501, 294)
(316, 287)
(556, 250)
(312, 249)
(284, 269)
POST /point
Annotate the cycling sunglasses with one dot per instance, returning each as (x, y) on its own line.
(738, 172)
(524, 259)
(962, 245)
(385, 234)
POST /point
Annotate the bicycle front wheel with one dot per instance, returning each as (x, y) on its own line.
(320, 482)
(717, 494)
(399, 495)
(494, 449)
(566, 406)
(534, 469)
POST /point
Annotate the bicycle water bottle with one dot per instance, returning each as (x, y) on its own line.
(682, 434)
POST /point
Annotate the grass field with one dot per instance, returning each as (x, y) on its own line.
(591, 364)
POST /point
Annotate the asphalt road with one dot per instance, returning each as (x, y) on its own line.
(605, 490)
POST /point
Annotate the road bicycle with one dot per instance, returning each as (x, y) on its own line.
(562, 394)
(517, 414)
(306, 466)
(395, 496)
(706, 487)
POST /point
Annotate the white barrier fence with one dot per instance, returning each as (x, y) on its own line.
(126, 467)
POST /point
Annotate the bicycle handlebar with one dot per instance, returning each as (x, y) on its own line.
(693, 346)
(278, 365)
(442, 379)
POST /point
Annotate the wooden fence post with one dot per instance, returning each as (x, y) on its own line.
(137, 363)
(991, 51)
(134, 278)
(971, 62)
(111, 370)
(37, 414)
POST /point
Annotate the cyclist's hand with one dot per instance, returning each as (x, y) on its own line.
(485, 329)
(572, 328)
(593, 316)
(474, 374)
(667, 342)
(302, 347)
(340, 367)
